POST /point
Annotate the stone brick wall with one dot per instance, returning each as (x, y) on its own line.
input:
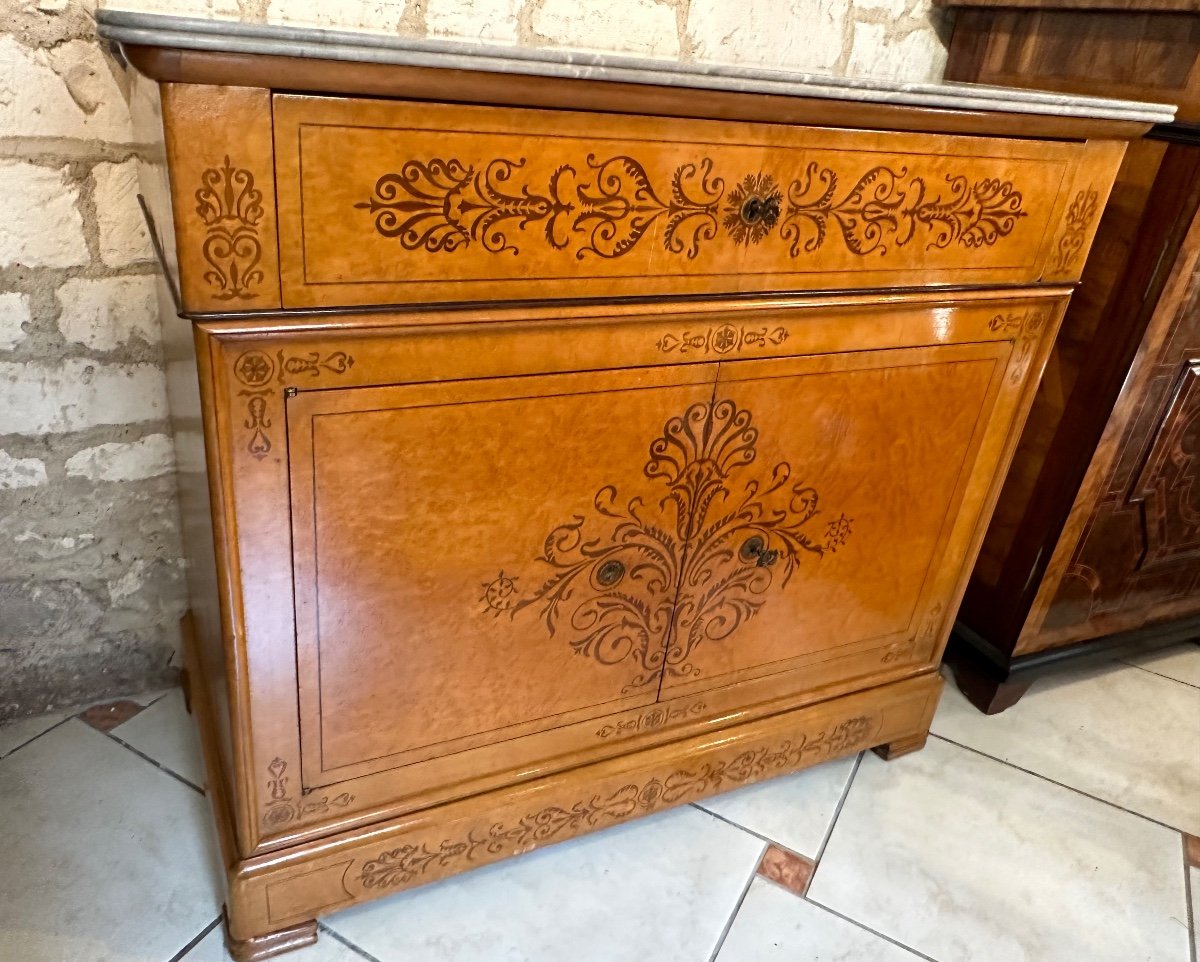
(91, 576)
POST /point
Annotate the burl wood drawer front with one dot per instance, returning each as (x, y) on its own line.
(500, 570)
(395, 202)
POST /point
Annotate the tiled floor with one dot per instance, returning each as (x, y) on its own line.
(1054, 832)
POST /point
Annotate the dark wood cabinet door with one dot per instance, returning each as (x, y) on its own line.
(1130, 554)
(479, 563)
(833, 501)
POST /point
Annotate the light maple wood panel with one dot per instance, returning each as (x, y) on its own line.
(497, 533)
(392, 202)
(830, 541)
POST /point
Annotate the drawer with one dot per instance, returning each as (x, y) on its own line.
(389, 202)
(746, 508)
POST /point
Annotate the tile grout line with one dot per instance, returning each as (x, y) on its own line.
(738, 906)
(1159, 674)
(836, 814)
(57, 724)
(147, 758)
(195, 941)
(337, 937)
(875, 932)
(739, 825)
(63, 721)
(1047, 778)
(1192, 921)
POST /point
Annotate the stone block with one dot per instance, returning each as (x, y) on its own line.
(104, 313)
(124, 239)
(21, 472)
(148, 457)
(38, 399)
(66, 91)
(640, 26)
(41, 225)
(794, 34)
(14, 313)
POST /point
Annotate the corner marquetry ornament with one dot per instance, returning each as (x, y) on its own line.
(283, 808)
(727, 543)
(1023, 330)
(1080, 215)
(231, 208)
(443, 205)
(256, 369)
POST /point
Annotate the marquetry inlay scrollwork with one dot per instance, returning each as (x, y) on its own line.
(656, 717)
(723, 535)
(890, 207)
(606, 207)
(255, 370)
(1080, 215)
(231, 208)
(283, 807)
(722, 339)
(411, 862)
(1023, 330)
(925, 637)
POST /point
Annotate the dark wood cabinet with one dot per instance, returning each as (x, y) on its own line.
(1094, 548)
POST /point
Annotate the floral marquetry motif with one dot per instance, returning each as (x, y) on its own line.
(889, 207)
(256, 368)
(231, 208)
(408, 863)
(283, 808)
(604, 208)
(730, 536)
(722, 339)
(1080, 215)
(1023, 330)
(656, 717)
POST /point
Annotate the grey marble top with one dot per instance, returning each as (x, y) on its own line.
(231, 36)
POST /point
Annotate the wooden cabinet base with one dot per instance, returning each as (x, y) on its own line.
(274, 898)
(272, 944)
(993, 682)
(901, 746)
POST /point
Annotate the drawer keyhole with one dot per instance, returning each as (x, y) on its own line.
(610, 573)
(755, 549)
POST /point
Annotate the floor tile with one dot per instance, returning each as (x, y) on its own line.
(960, 857)
(1117, 732)
(1181, 662)
(661, 888)
(328, 949)
(795, 811)
(774, 924)
(787, 869)
(106, 716)
(166, 733)
(115, 859)
(14, 734)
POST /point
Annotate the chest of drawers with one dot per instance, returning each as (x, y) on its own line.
(568, 445)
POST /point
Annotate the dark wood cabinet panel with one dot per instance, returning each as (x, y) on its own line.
(1137, 558)
(1089, 550)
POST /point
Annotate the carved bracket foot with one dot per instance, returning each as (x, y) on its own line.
(272, 944)
(901, 746)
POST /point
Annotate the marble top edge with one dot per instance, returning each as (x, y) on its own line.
(319, 43)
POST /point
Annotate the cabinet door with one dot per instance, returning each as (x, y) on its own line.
(828, 525)
(478, 563)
